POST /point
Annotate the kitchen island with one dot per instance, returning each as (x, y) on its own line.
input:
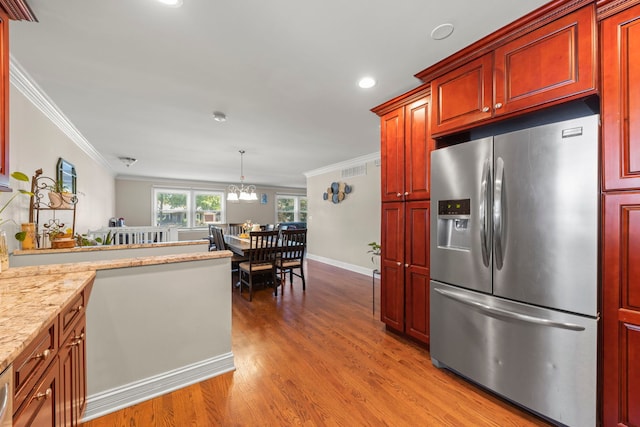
(153, 324)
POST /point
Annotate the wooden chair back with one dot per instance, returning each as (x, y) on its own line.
(293, 243)
(218, 238)
(264, 246)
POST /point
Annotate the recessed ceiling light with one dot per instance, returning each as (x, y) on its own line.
(442, 31)
(171, 3)
(367, 82)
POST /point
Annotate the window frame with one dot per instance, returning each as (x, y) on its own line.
(191, 210)
(296, 206)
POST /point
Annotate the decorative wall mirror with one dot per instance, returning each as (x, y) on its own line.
(66, 175)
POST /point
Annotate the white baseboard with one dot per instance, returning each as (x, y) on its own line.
(340, 264)
(103, 403)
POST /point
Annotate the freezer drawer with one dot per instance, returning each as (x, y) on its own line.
(541, 359)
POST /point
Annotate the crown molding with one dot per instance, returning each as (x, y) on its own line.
(18, 10)
(21, 80)
(343, 165)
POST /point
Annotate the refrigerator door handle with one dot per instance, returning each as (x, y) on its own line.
(506, 314)
(484, 218)
(497, 213)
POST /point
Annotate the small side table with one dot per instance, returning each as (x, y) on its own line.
(374, 273)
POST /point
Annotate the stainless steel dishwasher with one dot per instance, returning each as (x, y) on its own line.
(6, 397)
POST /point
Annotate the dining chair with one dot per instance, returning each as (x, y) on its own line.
(211, 238)
(234, 229)
(263, 251)
(293, 244)
(235, 258)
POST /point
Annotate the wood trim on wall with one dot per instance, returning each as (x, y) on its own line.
(18, 10)
(608, 8)
(404, 99)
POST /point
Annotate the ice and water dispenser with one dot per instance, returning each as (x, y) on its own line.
(453, 224)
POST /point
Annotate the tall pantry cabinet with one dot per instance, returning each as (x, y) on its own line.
(620, 79)
(406, 147)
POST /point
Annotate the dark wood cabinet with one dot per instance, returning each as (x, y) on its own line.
(50, 374)
(40, 408)
(416, 274)
(73, 386)
(620, 43)
(405, 151)
(621, 309)
(620, 112)
(4, 100)
(405, 268)
(392, 265)
(553, 63)
(464, 96)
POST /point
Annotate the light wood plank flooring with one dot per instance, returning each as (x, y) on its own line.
(319, 358)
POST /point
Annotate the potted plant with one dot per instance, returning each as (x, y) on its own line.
(375, 250)
(60, 197)
(60, 237)
(4, 249)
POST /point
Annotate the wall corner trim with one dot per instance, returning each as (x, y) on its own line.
(22, 81)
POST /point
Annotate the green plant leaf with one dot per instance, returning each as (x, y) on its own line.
(20, 176)
(21, 235)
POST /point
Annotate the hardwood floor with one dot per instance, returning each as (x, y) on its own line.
(320, 358)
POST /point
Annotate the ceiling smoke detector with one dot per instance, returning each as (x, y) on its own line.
(219, 116)
(128, 161)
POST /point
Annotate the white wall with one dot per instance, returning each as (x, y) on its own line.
(133, 202)
(339, 233)
(36, 142)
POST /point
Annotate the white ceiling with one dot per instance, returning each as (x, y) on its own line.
(139, 79)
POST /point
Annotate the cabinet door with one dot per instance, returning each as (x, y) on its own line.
(72, 376)
(462, 96)
(41, 407)
(392, 155)
(621, 309)
(417, 150)
(417, 270)
(546, 65)
(620, 41)
(391, 266)
(4, 100)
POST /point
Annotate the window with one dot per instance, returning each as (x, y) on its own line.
(291, 208)
(187, 208)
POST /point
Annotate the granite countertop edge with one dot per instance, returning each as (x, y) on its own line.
(32, 297)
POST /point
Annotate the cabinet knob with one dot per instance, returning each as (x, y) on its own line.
(399, 194)
(399, 264)
(43, 355)
(406, 265)
(498, 105)
(485, 110)
(45, 395)
(406, 193)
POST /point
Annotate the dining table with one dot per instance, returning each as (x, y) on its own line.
(238, 245)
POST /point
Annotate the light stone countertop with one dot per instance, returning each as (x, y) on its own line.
(31, 297)
(27, 305)
(110, 247)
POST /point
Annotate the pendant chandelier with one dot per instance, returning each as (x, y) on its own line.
(241, 193)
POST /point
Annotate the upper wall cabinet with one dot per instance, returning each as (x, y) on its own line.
(620, 35)
(405, 147)
(551, 64)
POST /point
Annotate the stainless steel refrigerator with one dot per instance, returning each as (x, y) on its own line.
(514, 266)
